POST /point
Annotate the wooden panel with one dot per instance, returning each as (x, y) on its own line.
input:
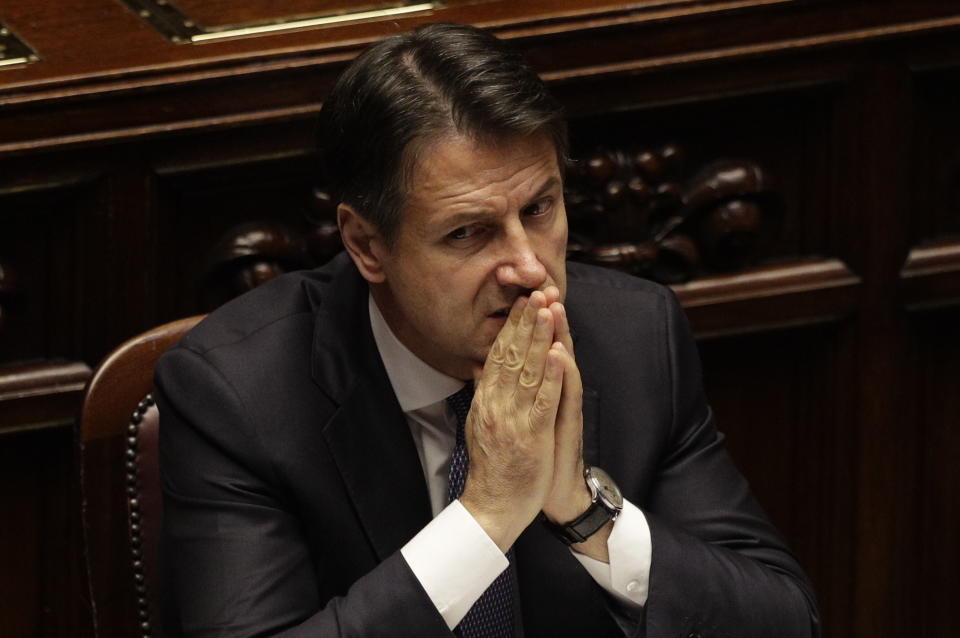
(938, 485)
(930, 273)
(779, 399)
(41, 249)
(41, 585)
(936, 155)
(203, 206)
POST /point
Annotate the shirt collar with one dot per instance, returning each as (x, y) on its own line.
(414, 381)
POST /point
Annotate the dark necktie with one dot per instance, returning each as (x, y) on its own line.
(492, 615)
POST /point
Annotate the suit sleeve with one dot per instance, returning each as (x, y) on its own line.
(718, 567)
(235, 562)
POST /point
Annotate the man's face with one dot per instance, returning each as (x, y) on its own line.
(483, 224)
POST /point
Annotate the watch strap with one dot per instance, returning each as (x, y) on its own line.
(584, 526)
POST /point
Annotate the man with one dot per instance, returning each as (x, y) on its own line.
(366, 449)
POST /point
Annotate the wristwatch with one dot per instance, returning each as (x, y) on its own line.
(606, 506)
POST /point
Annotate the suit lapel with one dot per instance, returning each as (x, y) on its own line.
(368, 435)
(374, 452)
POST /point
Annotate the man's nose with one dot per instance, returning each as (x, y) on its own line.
(520, 265)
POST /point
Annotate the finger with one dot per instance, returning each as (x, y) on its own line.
(562, 326)
(516, 345)
(552, 293)
(497, 354)
(569, 433)
(543, 413)
(533, 366)
(568, 493)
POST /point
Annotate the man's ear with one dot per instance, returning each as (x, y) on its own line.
(363, 242)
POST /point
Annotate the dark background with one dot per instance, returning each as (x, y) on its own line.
(144, 179)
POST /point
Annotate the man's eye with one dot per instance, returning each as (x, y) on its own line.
(465, 232)
(538, 208)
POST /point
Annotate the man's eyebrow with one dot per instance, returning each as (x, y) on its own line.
(551, 182)
(465, 219)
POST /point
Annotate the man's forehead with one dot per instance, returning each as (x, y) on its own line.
(464, 163)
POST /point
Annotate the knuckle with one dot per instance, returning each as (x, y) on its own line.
(541, 406)
(529, 379)
(512, 357)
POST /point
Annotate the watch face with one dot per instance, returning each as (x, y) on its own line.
(607, 490)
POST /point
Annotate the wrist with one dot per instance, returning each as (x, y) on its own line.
(503, 526)
(606, 502)
(567, 509)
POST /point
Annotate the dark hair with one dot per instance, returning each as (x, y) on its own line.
(436, 79)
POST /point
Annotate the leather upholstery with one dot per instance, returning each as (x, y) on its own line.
(121, 503)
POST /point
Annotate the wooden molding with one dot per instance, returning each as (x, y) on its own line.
(37, 395)
(147, 131)
(930, 278)
(798, 293)
(726, 54)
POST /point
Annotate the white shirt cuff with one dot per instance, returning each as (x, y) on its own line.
(627, 576)
(455, 561)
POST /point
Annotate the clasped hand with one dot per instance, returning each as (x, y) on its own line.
(524, 429)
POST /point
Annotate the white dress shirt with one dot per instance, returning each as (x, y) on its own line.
(452, 557)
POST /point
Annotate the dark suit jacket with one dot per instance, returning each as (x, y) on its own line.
(291, 481)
